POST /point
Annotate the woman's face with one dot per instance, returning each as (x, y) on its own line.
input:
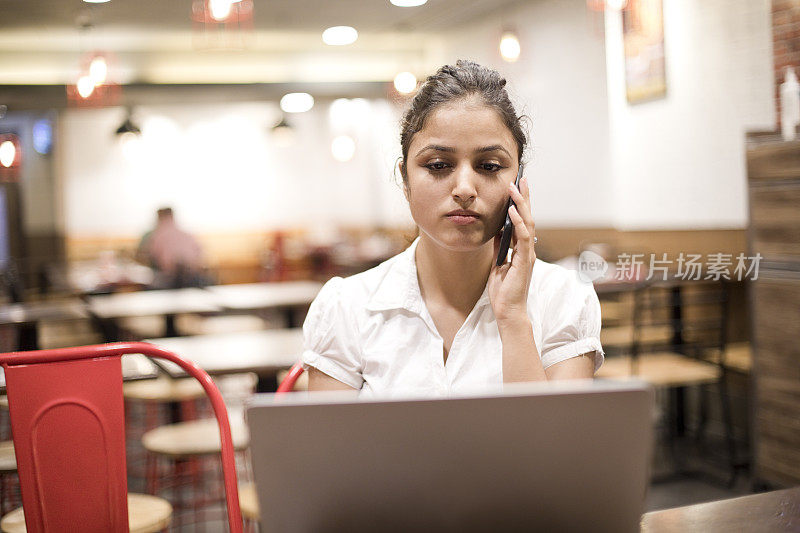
(459, 167)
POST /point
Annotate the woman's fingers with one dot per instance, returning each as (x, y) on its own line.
(522, 244)
(521, 198)
(522, 203)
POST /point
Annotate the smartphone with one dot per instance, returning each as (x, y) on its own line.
(508, 227)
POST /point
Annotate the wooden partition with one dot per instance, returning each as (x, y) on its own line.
(774, 184)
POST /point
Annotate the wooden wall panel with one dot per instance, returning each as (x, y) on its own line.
(774, 172)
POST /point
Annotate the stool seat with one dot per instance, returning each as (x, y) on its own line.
(163, 389)
(663, 369)
(146, 514)
(248, 501)
(8, 459)
(193, 438)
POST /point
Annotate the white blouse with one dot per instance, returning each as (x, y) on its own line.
(373, 331)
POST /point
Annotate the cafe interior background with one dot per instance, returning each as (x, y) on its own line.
(655, 129)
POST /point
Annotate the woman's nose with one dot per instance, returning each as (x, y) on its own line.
(464, 186)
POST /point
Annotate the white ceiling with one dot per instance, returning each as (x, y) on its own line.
(154, 42)
(273, 15)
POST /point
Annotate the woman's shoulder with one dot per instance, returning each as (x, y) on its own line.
(357, 289)
(550, 279)
(553, 273)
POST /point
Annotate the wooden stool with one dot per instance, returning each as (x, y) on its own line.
(5, 421)
(183, 447)
(248, 501)
(663, 369)
(162, 400)
(163, 389)
(738, 357)
(9, 483)
(146, 514)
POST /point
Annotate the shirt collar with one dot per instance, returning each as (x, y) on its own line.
(399, 288)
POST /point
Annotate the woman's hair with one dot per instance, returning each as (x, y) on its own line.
(463, 80)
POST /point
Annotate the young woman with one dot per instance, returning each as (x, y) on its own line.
(441, 316)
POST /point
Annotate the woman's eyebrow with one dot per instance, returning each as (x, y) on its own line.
(438, 148)
(492, 148)
(450, 149)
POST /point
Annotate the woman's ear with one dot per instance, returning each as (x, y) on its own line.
(402, 168)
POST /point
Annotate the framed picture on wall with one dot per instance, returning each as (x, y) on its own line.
(645, 65)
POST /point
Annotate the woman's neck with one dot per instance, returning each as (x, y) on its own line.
(456, 279)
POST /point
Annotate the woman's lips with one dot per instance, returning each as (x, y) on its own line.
(462, 220)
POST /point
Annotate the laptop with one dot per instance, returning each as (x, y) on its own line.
(560, 456)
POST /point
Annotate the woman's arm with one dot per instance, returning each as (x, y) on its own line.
(580, 367)
(521, 361)
(508, 292)
(508, 287)
(320, 381)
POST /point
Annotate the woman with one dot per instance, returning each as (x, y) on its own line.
(441, 316)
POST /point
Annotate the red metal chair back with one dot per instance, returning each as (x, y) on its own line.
(67, 419)
(287, 384)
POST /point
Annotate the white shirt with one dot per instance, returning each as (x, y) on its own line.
(372, 331)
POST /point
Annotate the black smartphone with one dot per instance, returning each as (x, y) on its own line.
(508, 227)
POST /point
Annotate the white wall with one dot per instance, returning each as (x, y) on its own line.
(680, 162)
(221, 171)
(595, 159)
(560, 83)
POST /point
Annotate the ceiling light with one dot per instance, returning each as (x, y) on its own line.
(98, 70)
(509, 47)
(297, 102)
(343, 148)
(129, 136)
(405, 82)
(131, 146)
(128, 127)
(220, 9)
(617, 5)
(339, 35)
(95, 1)
(283, 133)
(8, 152)
(85, 86)
(408, 3)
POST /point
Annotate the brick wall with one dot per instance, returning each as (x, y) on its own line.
(786, 42)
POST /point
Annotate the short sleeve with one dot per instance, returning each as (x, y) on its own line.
(571, 323)
(330, 336)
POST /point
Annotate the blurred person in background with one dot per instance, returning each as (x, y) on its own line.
(174, 254)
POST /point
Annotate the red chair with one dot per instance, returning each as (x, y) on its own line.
(291, 378)
(67, 420)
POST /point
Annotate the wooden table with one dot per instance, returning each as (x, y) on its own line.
(166, 303)
(26, 317)
(109, 275)
(262, 352)
(287, 296)
(152, 303)
(767, 512)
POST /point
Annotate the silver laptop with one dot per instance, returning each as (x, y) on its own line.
(566, 456)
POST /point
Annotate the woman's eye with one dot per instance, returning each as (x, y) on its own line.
(437, 166)
(490, 167)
